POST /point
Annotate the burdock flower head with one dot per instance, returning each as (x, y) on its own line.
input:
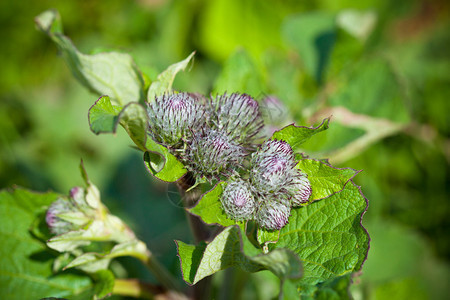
(272, 166)
(238, 115)
(274, 212)
(238, 201)
(173, 117)
(300, 189)
(212, 152)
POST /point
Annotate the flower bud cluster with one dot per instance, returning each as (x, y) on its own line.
(274, 181)
(214, 139)
(210, 136)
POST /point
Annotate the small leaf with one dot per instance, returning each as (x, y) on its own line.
(209, 208)
(231, 248)
(104, 283)
(108, 73)
(161, 163)
(325, 180)
(164, 81)
(25, 262)
(103, 116)
(133, 119)
(92, 262)
(297, 135)
(327, 235)
(265, 236)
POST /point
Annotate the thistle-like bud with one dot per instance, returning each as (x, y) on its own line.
(212, 153)
(271, 166)
(300, 189)
(172, 117)
(238, 115)
(273, 213)
(238, 201)
(66, 215)
(56, 224)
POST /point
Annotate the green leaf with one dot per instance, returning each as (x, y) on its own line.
(265, 237)
(133, 119)
(161, 163)
(164, 81)
(231, 248)
(328, 236)
(25, 261)
(333, 289)
(325, 180)
(239, 74)
(103, 116)
(104, 283)
(313, 35)
(109, 73)
(297, 135)
(209, 208)
(92, 262)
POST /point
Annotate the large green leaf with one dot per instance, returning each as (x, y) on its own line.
(325, 180)
(333, 289)
(163, 84)
(112, 73)
(231, 248)
(297, 135)
(210, 210)
(25, 261)
(328, 236)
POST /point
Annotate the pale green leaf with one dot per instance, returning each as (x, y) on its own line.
(164, 81)
(297, 135)
(109, 73)
(231, 248)
(325, 180)
(266, 237)
(210, 210)
(25, 261)
(328, 236)
(93, 262)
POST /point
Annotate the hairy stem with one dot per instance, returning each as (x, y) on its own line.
(199, 229)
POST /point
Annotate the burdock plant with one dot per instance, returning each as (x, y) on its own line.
(253, 202)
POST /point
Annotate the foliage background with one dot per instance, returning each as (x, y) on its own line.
(395, 78)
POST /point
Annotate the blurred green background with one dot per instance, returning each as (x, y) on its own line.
(381, 68)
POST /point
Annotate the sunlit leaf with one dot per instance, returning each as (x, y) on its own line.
(25, 261)
(230, 248)
(108, 73)
(297, 135)
(328, 236)
(163, 84)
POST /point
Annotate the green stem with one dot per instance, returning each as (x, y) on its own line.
(134, 288)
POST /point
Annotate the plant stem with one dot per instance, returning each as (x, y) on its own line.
(137, 289)
(199, 229)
